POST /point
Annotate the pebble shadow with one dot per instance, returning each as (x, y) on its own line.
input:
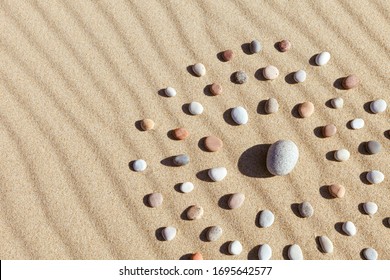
(145, 200)
(257, 221)
(329, 104)
(158, 234)
(318, 132)
(338, 83)
(227, 116)
(202, 146)
(361, 209)
(330, 155)
(185, 257)
(362, 148)
(290, 78)
(131, 165)
(203, 235)
(318, 245)
(253, 254)
(161, 92)
(177, 187)
(348, 125)
(295, 208)
(312, 60)
(385, 222)
(246, 48)
(259, 74)
(189, 70)
(285, 252)
(223, 201)
(362, 255)
(295, 113)
(185, 109)
(207, 90)
(204, 176)
(387, 134)
(261, 107)
(224, 249)
(324, 192)
(276, 46)
(363, 178)
(170, 135)
(220, 57)
(366, 107)
(183, 214)
(168, 161)
(253, 162)
(137, 125)
(339, 228)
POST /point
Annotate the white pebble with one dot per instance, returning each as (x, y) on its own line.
(217, 173)
(326, 244)
(169, 233)
(342, 155)
(282, 157)
(375, 177)
(266, 218)
(186, 187)
(295, 252)
(337, 102)
(378, 106)
(265, 252)
(322, 58)
(139, 165)
(370, 208)
(235, 247)
(349, 228)
(170, 92)
(370, 254)
(357, 123)
(239, 115)
(300, 76)
(195, 108)
(199, 69)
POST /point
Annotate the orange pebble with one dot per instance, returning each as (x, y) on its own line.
(197, 256)
(180, 133)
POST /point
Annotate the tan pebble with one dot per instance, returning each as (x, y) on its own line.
(155, 199)
(228, 55)
(306, 109)
(213, 143)
(197, 256)
(147, 124)
(270, 72)
(236, 200)
(216, 89)
(350, 82)
(284, 45)
(180, 133)
(271, 106)
(329, 130)
(195, 212)
(337, 190)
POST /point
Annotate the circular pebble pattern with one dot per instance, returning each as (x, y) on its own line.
(195, 212)
(337, 190)
(180, 133)
(213, 143)
(216, 89)
(139, 165)
(228, 55)
(306, 109)
(270, 72)
(284, 45)
(378, 106)
(240, 77)
(195, 108)
(350, 82)
(329, 130)
(155, 199)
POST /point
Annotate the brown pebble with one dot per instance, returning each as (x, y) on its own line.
(213, 143)
(180, 133)
(228, 55)
(195, 212)
(155, 199)
(329, 130)
(337, 190)
(284, 45)
(306, 109)
(350, 82)
(216, 89)
(197, 256)
(147, 124)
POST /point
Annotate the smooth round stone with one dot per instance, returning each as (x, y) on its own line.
(329, 130)
(271, 106)
(155, 199)
(322, 58)
(270, 72)
(241, 77)
(217, 173)
(284, 45)
(295, 252)
(255, 46)
(170, 92)
(378, 106)
(197, 256)
(342, 155)
(186, 187)
(266, 218)
(373, 147)
(300, 76)
(370, 208)
(181, 160)
(337, 190)
(169, 233)
(236, 200)
(349, 228)
(195, 212)
(326, 244)
(235, 247)
(370, 254)
(350, 82)
(228, 55)
(213, 143)
(214, 233)
(265, 252)
(139, 165)
(282, 157)
(239, 115)
(199, 69)
(180, 133)
(337, 103)
(216, 89)
(357, 123)
(195, 108)
(306, 109)
(147, 124)
(375, 177)
(305, 209)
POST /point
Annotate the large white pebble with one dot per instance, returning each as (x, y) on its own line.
(186, 187)
(326, 244)
(370, 208)
(235, 247)
(195, 108)
(342, 155)
(370, 254)
(375, 177)
(378, 106)
(217, 173)
(139, 165)
(266, 218)
(170, 92)
(282, 157)
(349, 228)
(199, 69)
(295, 252)
(239, 115)
(337, 103)
(322, 58)
(265, 252)
(169, 233)
(357, 123)
(300, 76)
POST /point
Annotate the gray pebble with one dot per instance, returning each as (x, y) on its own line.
(326, 244)
(241, 77)
(214, 233)
(181, 160)
(255, 46)
(370, 254)
(373, 147)
(305, 209)
(271, 106)
(282, 157)
(266, 218)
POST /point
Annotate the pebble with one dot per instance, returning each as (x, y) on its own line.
(228, 55)
(306, 109)
(284, 45)
(370, 254)
(217, 173)
(375, 177)
(155, 199)
(197, 256)
(199, 69)
(282, 157)
(326, 244)
(216, 89)
(139, 165)
(295, 252)
(357, 123)
(239, 115)
(255, 46)
(378, 106)
(329, 130)
(270, 72)
(181, 160)
(305, 209)
(147, 124)
(370, 208)
(195, 212)
(265, 252)
(186, 187)
(235, 247)
(337, 190)
(236, 200)
(240, 77)
(180, 133)
(322, 58)
(337, 102)
(266, 218)
(213, 143)
(271, 106)
(214, 233)
(373, 147)
(300, 76)
(342, 155)
(349, 228)
(350, 82)
(169, 233)
(170, 92)
(195, 108)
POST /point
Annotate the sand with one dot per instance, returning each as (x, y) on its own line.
(77, 76)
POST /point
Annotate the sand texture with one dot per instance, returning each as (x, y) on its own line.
(77, 76)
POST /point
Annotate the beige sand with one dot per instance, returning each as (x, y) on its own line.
(75, 76)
